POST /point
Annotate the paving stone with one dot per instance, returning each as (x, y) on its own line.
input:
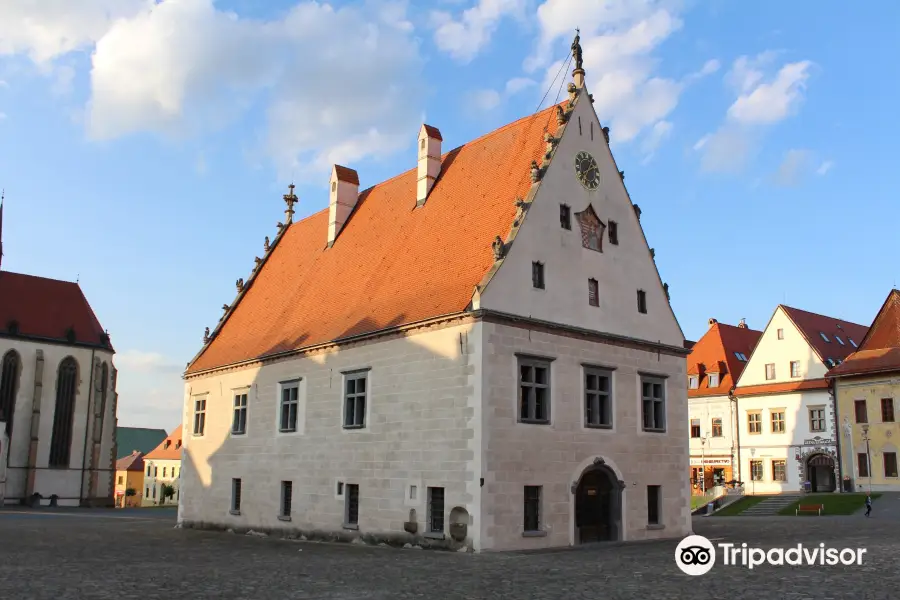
(108, 555)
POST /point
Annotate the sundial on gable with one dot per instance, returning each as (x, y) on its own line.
(592, 229)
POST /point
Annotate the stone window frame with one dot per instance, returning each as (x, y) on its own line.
(610, 394)
(814, 419)
(68, 379)
(237, 485)
(884, 463)
(236, 393)
(533, 511)
(351, 489)
(365, 396)
(783, 463)
(296, 383)
(198, 415)
(654, 504)
(535, 362)
(757, 462)
(435, 517)
(285, 500)
(773, 412)
(653, 379)
(758, 422)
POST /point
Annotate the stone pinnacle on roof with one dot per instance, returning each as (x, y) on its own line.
(578, 73)
(290, 199)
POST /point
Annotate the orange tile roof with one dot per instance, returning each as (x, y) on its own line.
(880, 348)
(715, 352)
(393, 263)
(169, 448)
(47, 308)
(781, 388)
(812, 325)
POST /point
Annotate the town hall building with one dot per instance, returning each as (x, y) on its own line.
(57, 395)
(478, 353)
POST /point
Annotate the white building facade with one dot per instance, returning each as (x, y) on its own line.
(543, 410)
(787, 414)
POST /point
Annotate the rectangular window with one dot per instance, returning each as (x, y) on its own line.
(164, 471)
(887, 410)
(593, 293)
(290, 404)
(862, 463)
(653, 404)
(239, 422)
(287, 491)
(693, 382)
(155, 471)
(121, 480)
(147, 491)
(199, 416)
(756, 470)
(613, 232)
(413, 492)
(537, 275)
(597, 398)
(148, 470)
(779, 470)
(154, 491)
(351, 505)
(642, 301)
(777, 421)
(695, 428)
(770, 371)
(712, 380)
(235, 495)
(355, 400)
(890, 464)
(817, 419)
(436, 510)
(860, 409)
(654, 504)
(565, 216)
(532, 508)
(754, 422)
(717, 427)
(534, 391)
(795, 368)
(781, 334)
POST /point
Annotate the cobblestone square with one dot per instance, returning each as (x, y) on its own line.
(139, 554)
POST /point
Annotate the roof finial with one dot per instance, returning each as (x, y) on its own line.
(290, 199)
(578, 73)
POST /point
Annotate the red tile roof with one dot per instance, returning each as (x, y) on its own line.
(782, 388)
(132, 462)
(813, 325)
(169, 448)
(47, 308)
(879, 350)
(715, 352)
(393, 263)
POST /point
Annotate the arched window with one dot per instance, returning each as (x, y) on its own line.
(104, 385)
(66, 387)
(9, 385)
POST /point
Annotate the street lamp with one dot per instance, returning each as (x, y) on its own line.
(752, 480)
(703, 464)
(865, 430)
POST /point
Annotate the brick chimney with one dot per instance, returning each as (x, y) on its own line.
(429, 161)
(342, 201)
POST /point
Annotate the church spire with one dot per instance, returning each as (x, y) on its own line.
(578, 73)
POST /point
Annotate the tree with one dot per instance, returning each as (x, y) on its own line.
(131, 492)
(167, 491)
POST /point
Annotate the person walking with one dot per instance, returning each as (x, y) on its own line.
(868, 505)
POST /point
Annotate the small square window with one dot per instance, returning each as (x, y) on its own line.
(754, 422)
(717, 427)
(413, 492)
(593, 292)
(712, 380)
(781, 334)
(613, 233)
(770, 371)
(642, 301)
(778, 421)
(693, 382)
(817, 419)
(565, 216)
(795, 368)
(537, 275)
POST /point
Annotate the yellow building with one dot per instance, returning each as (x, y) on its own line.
(162, 467)
(867, 388)
(130, 476)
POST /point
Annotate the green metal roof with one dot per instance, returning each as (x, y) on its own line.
(129, 439)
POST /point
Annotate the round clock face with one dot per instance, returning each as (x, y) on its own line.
(587, 171)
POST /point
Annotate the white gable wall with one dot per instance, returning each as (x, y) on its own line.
(770, 349)
(620, 269)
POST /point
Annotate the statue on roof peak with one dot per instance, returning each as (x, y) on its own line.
(576, 50)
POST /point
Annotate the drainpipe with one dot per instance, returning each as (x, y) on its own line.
(736, 434)
(837, 435)
(90, 404)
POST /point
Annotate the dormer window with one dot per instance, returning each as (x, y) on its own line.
(168, 443)
(693, 382)
(741, 356)
(178, 444)
(712, 380)
(824, 337)
(839, 340)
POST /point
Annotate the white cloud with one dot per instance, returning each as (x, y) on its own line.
(484, 100)
(792, 167)
(726, 151)
(183, 67)
(702, 142)
(465, 37)
(709, 67)
(657, 134)
(825, 167)
(773, 101)
(517, 84)
(145, 362)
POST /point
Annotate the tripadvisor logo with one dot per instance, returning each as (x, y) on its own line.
(696, 555)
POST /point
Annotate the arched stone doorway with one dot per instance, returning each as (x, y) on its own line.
(598, 505)
(820, 473)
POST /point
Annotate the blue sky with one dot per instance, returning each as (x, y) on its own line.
(145, 149)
